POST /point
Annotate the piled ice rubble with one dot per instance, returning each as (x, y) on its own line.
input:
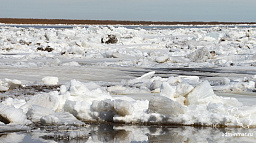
(188, 100)
(211, 47)
(185, 100)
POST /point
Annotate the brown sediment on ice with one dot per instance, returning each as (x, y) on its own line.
(109, 22)
(31, 90)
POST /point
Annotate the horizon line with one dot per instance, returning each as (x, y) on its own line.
(111, 22)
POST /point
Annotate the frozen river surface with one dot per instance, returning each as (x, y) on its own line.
(141, 85)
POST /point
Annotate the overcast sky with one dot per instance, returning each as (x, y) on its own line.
(152, 10)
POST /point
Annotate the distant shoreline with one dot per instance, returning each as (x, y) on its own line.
(109, 22)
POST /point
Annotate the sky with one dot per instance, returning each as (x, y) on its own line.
(135, 10)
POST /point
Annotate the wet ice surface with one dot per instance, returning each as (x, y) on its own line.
(54, 80)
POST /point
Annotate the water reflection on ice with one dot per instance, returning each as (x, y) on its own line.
(120, 133)
(12, 137)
